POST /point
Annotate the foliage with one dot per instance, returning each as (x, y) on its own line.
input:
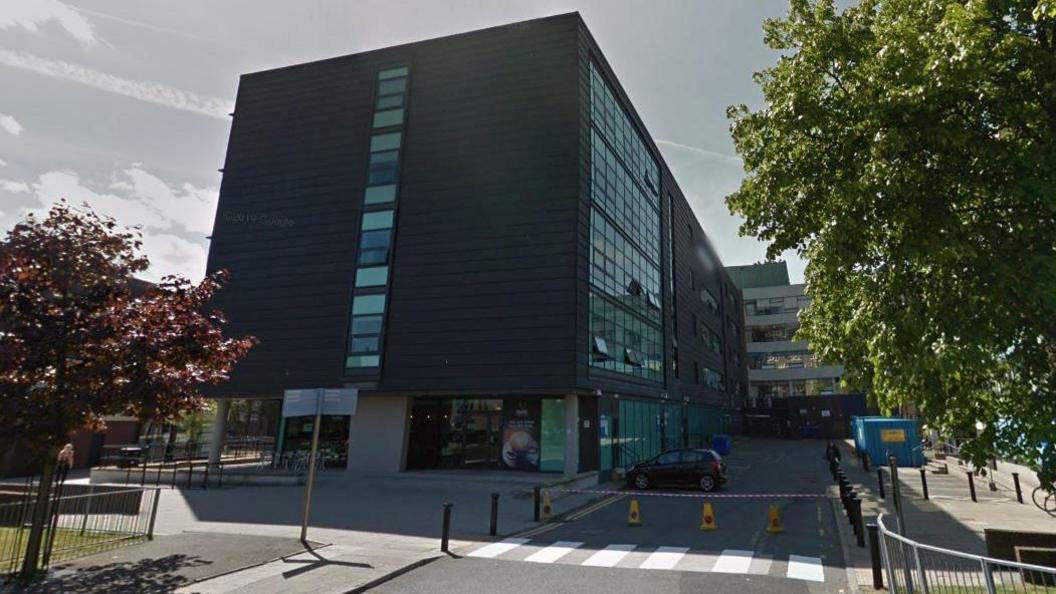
(78, 344)
(907, 149)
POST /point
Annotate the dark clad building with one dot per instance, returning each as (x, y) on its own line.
(479, 234)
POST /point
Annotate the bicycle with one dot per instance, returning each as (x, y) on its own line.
(1045, 499)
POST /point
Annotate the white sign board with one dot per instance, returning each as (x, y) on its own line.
(303, 403)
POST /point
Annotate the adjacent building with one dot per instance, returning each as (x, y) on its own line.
(478, 233)
(779, 367)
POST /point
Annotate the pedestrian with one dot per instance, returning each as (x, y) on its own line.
(66, 456)
(64, 462)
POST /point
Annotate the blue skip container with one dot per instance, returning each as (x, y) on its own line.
(881, 437)
(722, 444)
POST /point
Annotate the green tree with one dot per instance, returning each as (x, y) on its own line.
(78, 344)
(907, 149)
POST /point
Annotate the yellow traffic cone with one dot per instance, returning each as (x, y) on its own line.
(547, 508)
(773, 525)
(633, 517)
(707, 522)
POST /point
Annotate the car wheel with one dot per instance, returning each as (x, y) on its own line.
(707, 483)
(641, 482)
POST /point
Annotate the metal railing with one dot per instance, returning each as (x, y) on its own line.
(77, 525)
(917, 568)
(126, 455)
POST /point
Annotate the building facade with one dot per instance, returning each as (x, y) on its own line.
(779, 367)
(477, 233)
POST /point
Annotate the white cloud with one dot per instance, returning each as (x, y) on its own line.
(15, 187)
(10, 125)
(189, 206)
(151, 92)
(3, 163)
(136, 197)
(30, 14)
(171, 254)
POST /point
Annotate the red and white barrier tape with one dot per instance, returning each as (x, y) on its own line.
(696, 495)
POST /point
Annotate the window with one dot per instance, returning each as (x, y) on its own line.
(600, 349)
(374, 276)
(713, 379)
(368, 304)
(385, 142)
(374, 247)
(623, 331)
(709, 300)
(696, 372)
(390, 117)
(398, 72)
(365, 333)
(669, 458)
(622, 271)
(383, 167)
(749, 308)
(381, 219)
(380, 194)
(674, 361)
(773, 333)
(376, 227)
(692, 457)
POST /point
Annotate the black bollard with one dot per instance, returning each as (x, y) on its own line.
(874, 555)
(865, 461)
(173, 486)
(851, 496)
(220, 477)
(444, 536)
(880, 482)
(859, 530)
(924, 481)
(535, 498)
(494, 514)
(205, 478)
(190, 474)
(1019, 491)
(971, 485)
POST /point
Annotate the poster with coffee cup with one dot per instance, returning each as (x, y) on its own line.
(520, 434)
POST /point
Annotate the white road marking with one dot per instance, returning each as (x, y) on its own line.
(554, 552)
(664, 558)
(497, 548)
(733, 561)
(609, 556)
(805, 568)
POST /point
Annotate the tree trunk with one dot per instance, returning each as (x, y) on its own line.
(40, 516)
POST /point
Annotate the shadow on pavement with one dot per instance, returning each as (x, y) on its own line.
(146, 575)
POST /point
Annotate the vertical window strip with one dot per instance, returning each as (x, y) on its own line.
(377, 227)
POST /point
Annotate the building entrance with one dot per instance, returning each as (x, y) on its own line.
(455, 433)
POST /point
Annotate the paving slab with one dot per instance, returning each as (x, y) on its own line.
(164, 564)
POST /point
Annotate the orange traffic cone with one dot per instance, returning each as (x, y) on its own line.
(547, 508)
(773, 525)
(633, 517)
(707, 522)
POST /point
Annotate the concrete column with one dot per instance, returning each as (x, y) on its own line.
(571, 435)
(219, 433)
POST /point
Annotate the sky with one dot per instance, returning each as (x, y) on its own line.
(124, 104)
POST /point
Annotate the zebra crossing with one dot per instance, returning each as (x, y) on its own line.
(631, 556)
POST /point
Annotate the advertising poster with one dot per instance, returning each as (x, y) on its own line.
(520, 433)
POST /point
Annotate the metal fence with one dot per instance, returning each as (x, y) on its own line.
(916, 568)
(77, 525)
(132, 455)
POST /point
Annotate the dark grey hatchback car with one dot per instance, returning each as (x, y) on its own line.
(703, 469)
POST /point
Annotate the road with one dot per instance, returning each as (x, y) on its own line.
(597, 551)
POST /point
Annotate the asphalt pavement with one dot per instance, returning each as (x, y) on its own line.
(596, 550)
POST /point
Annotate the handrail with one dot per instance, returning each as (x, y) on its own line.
(960, 554)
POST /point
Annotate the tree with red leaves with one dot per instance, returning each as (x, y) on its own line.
(77, 343)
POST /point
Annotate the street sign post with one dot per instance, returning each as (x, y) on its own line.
(318, 401)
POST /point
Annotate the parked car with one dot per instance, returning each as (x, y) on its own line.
(700, 468)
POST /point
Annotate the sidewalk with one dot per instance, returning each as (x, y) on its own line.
(949, 519)
(245, 539)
